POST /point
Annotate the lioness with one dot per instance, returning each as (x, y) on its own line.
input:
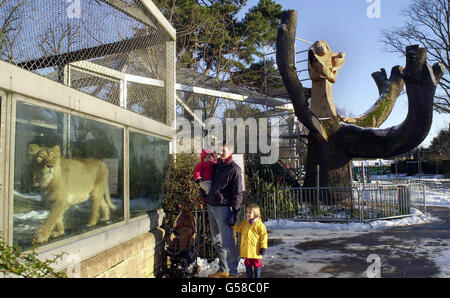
(66, 182)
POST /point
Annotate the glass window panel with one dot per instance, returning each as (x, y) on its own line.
(68, 175)
(149, 159)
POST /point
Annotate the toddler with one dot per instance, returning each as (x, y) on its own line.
(253, 240)
(204, 170)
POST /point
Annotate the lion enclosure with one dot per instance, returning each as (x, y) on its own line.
(87, 92)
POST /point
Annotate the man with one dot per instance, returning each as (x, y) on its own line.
(224, 201)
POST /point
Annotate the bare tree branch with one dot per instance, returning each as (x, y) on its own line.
(428, 25)
(286, 65)
(421, 81)
(389, 90)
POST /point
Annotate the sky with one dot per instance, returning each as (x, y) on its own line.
(346, 26)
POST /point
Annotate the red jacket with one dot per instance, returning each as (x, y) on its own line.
(203, 169)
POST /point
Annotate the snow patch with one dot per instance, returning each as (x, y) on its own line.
(442, 260)
(416, 218)
(207, 268)
(33, 215)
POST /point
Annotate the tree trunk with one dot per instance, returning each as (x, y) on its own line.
(333, 143)
(332, 159)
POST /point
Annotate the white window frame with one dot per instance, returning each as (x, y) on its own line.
(19, 84)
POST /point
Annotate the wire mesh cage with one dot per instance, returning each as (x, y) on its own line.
(115, 50)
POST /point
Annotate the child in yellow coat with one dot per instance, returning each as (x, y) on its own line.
(253, 240)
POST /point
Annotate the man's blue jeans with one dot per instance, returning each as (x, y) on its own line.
(223, 239)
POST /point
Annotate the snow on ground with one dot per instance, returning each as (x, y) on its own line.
(437, 187)
(212, 267)
(417, 218)
(438, 199)
(32, 215)
(442, 260)
(310, 263)
(417, 177)
(288, 234)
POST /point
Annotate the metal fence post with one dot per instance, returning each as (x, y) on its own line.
(318, 186)
(361, 207)
(274, 204)
(424, 194)
(351, 173)
(363, 175)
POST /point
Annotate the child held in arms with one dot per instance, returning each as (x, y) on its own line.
(203, 172)
(253, 240)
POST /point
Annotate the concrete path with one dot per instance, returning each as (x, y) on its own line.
(411, 251)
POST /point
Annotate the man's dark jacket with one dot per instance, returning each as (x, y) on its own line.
(226, 186)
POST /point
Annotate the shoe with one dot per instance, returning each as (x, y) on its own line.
(219, 274)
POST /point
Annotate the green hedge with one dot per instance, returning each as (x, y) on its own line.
(180, 187)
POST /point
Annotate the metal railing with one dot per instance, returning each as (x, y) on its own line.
(342, 203)
(389, 201)
(325, 204)
(440, 185)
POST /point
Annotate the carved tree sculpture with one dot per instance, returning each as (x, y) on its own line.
(334, 141)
